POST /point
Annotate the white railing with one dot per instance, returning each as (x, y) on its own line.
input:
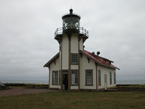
(82, 30)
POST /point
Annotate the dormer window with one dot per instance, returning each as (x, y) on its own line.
(104, 61)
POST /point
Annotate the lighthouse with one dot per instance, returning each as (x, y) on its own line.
(71, 38)
(74, 68)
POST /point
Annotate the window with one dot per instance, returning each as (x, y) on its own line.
(55, 77)
(74, 58)
(110, 78)
(74, 77)
(99, 77)
(114, 78)
(104, 61)
(59, 77)
(89, 77)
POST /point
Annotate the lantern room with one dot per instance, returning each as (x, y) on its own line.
(71, 23)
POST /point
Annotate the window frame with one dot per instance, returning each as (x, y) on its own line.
(55, 77)
(72, 59)
(77, 78)
(99, 76)
(86, 77)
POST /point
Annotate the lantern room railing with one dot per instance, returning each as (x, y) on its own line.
(82, 30)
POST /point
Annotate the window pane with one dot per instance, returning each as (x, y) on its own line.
(74, 76)
(110, 78)
(114, 78)
(89, 80)
(74, 58)
(59, 77)
(55, 75)
(99, 77)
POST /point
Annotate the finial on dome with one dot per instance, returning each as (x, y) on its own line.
(71, 11)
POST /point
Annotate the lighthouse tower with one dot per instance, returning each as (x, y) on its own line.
(71, 38)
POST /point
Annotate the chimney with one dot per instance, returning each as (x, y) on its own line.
(98, 52)
(83, 47)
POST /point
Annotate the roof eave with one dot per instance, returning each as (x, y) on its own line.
(110, 66)
(50, 61)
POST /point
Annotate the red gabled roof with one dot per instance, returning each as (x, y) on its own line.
(98, 59)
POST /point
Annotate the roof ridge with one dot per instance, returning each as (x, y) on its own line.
(99, 56)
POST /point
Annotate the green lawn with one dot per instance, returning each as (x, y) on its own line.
(75, 100)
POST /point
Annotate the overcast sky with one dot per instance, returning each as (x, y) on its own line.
(116, 29)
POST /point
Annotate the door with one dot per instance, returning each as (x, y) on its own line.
(105, 81)
(65, 81)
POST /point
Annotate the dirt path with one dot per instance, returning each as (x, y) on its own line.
(20, 91)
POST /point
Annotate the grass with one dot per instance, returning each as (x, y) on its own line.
(75, 100)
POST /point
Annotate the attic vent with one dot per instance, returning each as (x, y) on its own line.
(98, 52)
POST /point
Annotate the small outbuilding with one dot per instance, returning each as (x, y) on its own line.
(74, 68)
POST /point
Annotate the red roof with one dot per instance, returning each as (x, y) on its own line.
(99, 60)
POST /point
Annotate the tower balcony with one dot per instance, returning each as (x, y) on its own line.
(81, 31)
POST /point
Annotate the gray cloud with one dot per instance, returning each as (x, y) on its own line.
(116, 29)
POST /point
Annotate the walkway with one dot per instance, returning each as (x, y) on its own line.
(20, 91)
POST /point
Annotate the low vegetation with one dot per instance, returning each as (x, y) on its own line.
(75, 100)
(134, 86)
(24, 85)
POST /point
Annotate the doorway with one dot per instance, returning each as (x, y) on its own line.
(105, 81)
(65, 81)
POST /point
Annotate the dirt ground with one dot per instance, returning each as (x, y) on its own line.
(20, 91)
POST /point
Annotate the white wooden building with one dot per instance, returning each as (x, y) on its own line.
(74, 68)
